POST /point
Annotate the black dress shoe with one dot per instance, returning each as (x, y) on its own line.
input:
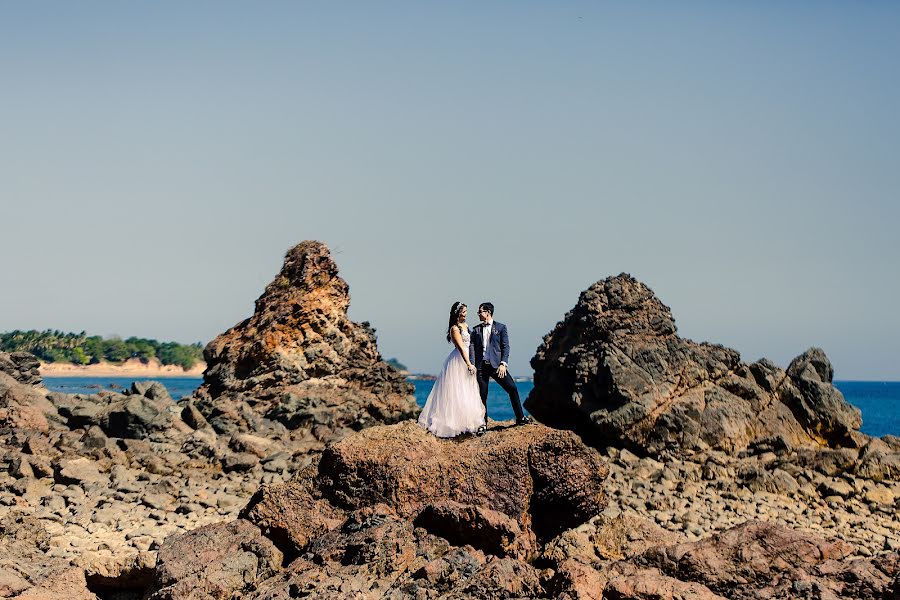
(526, 420)
(481, 430)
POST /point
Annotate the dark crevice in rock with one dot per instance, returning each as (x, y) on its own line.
(129, 585)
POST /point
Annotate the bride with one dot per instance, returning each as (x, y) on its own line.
(454, 405)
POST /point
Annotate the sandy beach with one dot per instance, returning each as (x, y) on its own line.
(132, 367)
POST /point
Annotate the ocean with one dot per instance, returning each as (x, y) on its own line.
(879, 401)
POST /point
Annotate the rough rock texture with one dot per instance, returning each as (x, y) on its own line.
(300, 362)
(757, 560)
(217, 561)
(710, 492)
(21, 366)
(615, 370)
(393, 511)
(99, 481)
(544, 479)
(22, 408)
(27, 570)
(752, 560)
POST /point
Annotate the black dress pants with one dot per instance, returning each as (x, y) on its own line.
(485, 374)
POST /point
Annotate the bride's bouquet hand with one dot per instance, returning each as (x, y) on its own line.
(471, 369)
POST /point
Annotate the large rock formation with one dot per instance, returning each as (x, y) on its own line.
(298, 361)
(392, 510)
(616, 370)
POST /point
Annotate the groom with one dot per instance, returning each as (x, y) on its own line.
(489, 352)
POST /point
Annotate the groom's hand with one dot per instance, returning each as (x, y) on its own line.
(501, 371)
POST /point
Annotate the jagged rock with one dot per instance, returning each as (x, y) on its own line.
(776, 481)
(94, 438)
(193, 417)
(118, 576)
(615, 370)
(239, 461)
(879, 461)
(483, 528)
(837, 487)
(153, 390)
(133, 415)
(23, 408)
(137, 416)
(300, 358)
(294, 513)
(21, 366)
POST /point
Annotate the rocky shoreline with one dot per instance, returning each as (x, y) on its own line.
(672, 470)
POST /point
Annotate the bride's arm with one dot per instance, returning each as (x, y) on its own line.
(457, 341)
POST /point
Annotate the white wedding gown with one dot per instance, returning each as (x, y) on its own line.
(454, 405)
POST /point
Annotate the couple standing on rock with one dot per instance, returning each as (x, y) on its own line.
(457, 403)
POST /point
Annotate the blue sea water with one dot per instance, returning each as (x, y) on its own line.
(178, 386)
(879, 401)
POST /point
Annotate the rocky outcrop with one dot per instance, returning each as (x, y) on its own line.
(615, 370)
(393, 510)
(222, 560)
(21, 366)
(299, 362)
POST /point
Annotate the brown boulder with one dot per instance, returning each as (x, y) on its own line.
(546, 480)
(23, 408)
(218, 561)
(294, 513)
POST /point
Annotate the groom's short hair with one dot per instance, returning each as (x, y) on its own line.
(488, 307)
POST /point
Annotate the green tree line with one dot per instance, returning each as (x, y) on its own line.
(82, 349)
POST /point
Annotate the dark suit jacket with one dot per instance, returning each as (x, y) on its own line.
(498, 346)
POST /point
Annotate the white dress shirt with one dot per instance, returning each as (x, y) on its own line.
(485, 336)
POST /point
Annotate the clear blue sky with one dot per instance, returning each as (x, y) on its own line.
(742, 159)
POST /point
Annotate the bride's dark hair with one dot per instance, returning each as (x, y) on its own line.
(455, 310)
